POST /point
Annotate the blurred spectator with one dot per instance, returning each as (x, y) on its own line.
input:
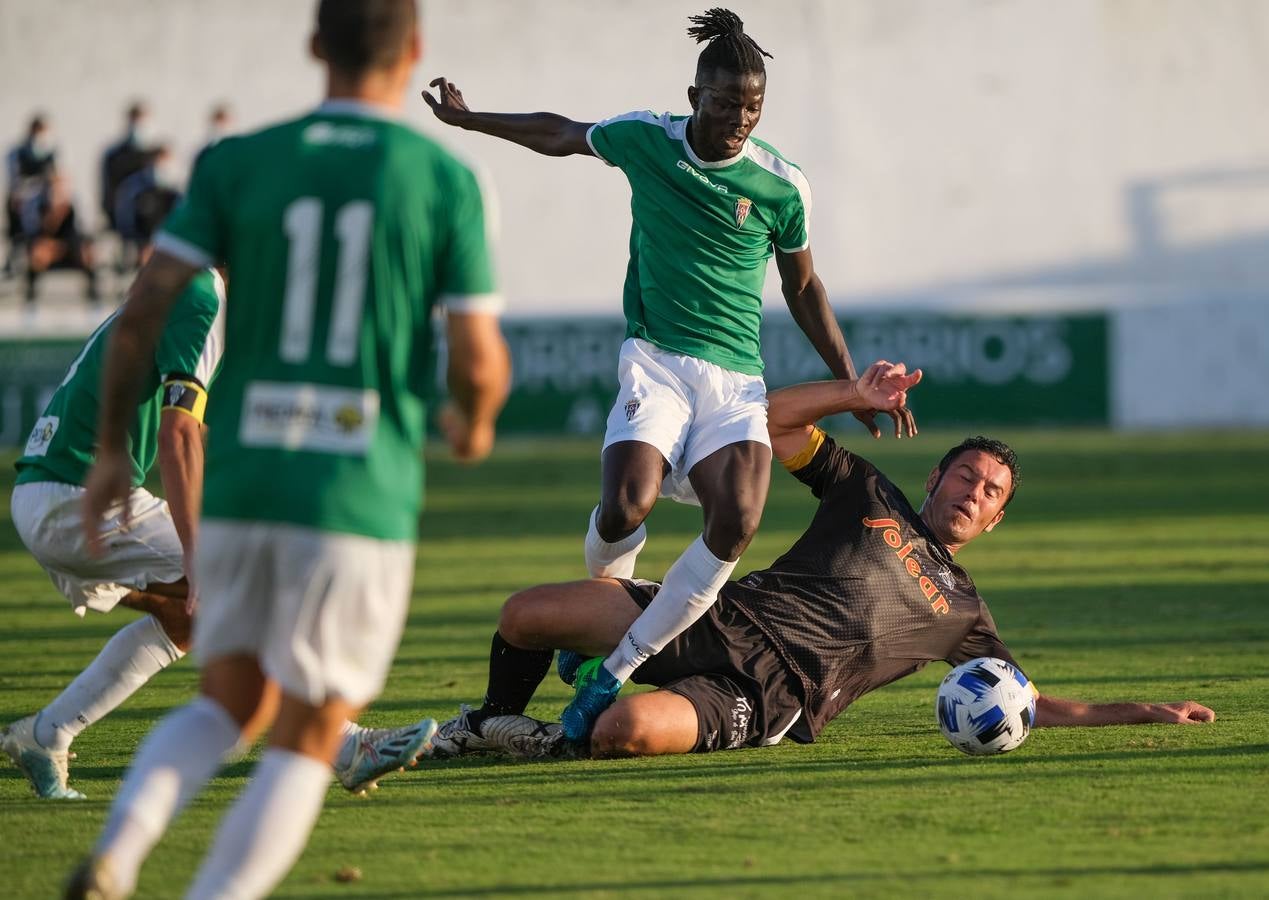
(27, 166)
(36, 156)
(127, 156)
(219, 124)
(152, 210)
(57, 241)
(145, 196)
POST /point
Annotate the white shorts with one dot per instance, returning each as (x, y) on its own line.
(47, 517)
(322, 611)
(685, 407)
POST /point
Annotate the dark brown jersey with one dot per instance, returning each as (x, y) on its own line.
(867, 594)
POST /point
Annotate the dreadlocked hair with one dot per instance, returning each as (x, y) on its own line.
(729, 48)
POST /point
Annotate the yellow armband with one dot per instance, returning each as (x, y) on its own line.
(187, 396)
(804, 456)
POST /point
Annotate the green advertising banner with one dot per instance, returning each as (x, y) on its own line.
(30, 371)
(979, 370)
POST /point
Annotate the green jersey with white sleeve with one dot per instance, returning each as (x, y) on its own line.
(63, 443)
(343, 231)
(701, 236)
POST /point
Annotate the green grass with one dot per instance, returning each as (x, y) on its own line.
(1127, 568)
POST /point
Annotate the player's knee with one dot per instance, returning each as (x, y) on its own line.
(520, 620)
(621, 514)
(727, 536)
(174, 619)
(178, 632)
(623, 731)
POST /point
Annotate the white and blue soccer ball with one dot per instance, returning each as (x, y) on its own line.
(985, 706)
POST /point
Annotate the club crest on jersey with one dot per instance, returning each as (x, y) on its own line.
(632, 407)
(743, 205)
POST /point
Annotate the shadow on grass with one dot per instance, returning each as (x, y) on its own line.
(503, 770)
(667, 887)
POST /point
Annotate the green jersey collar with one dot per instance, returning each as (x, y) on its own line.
(342, 107)
(678, 129)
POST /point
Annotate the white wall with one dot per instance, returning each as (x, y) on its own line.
(961, 151)
(1191, 364)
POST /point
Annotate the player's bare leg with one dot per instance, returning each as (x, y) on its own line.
(586, 618)
(649, 724)
(166, 603)
(630, 484)
(180, 755)
(631, 481)
(266, 829)
(589, 617)
(731, 484)
(40, 744)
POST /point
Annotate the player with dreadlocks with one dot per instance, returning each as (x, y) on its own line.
(709, 203)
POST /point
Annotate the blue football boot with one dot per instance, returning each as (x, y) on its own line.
(567, 662)
(594, 690)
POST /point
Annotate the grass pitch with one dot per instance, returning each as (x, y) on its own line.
(1127, 568)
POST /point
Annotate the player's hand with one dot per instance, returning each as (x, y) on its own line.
(469, 442)
(1185, 712)
(109, 482)
(884, 386)
(450, 108)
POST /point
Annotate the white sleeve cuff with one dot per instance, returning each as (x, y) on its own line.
(794, 249)
(183, 250)
(473, 303)
(591, 143)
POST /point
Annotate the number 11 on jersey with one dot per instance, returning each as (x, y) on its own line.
(302, 223)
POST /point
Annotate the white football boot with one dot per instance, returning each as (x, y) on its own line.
(46, 769)
(383, 750)
(457, 737)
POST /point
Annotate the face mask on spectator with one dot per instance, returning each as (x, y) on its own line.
(143, 134)
(165, 175)
(43, 145)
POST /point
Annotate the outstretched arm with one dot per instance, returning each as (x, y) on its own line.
(1054, 712)
(793, 411)
(808, 303)
(129, 355)
(545, 133)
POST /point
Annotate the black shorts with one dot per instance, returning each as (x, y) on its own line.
(743, 694)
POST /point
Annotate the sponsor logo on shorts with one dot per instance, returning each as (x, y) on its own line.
(711, 741)
(41, 436)
(632, 407)
(743, 205)
(911, 563)
(741, 713)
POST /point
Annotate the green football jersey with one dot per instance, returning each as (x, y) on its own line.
(64, 441)
(343, 231)
(701, 236)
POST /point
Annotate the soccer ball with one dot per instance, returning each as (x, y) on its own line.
(985, 706)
